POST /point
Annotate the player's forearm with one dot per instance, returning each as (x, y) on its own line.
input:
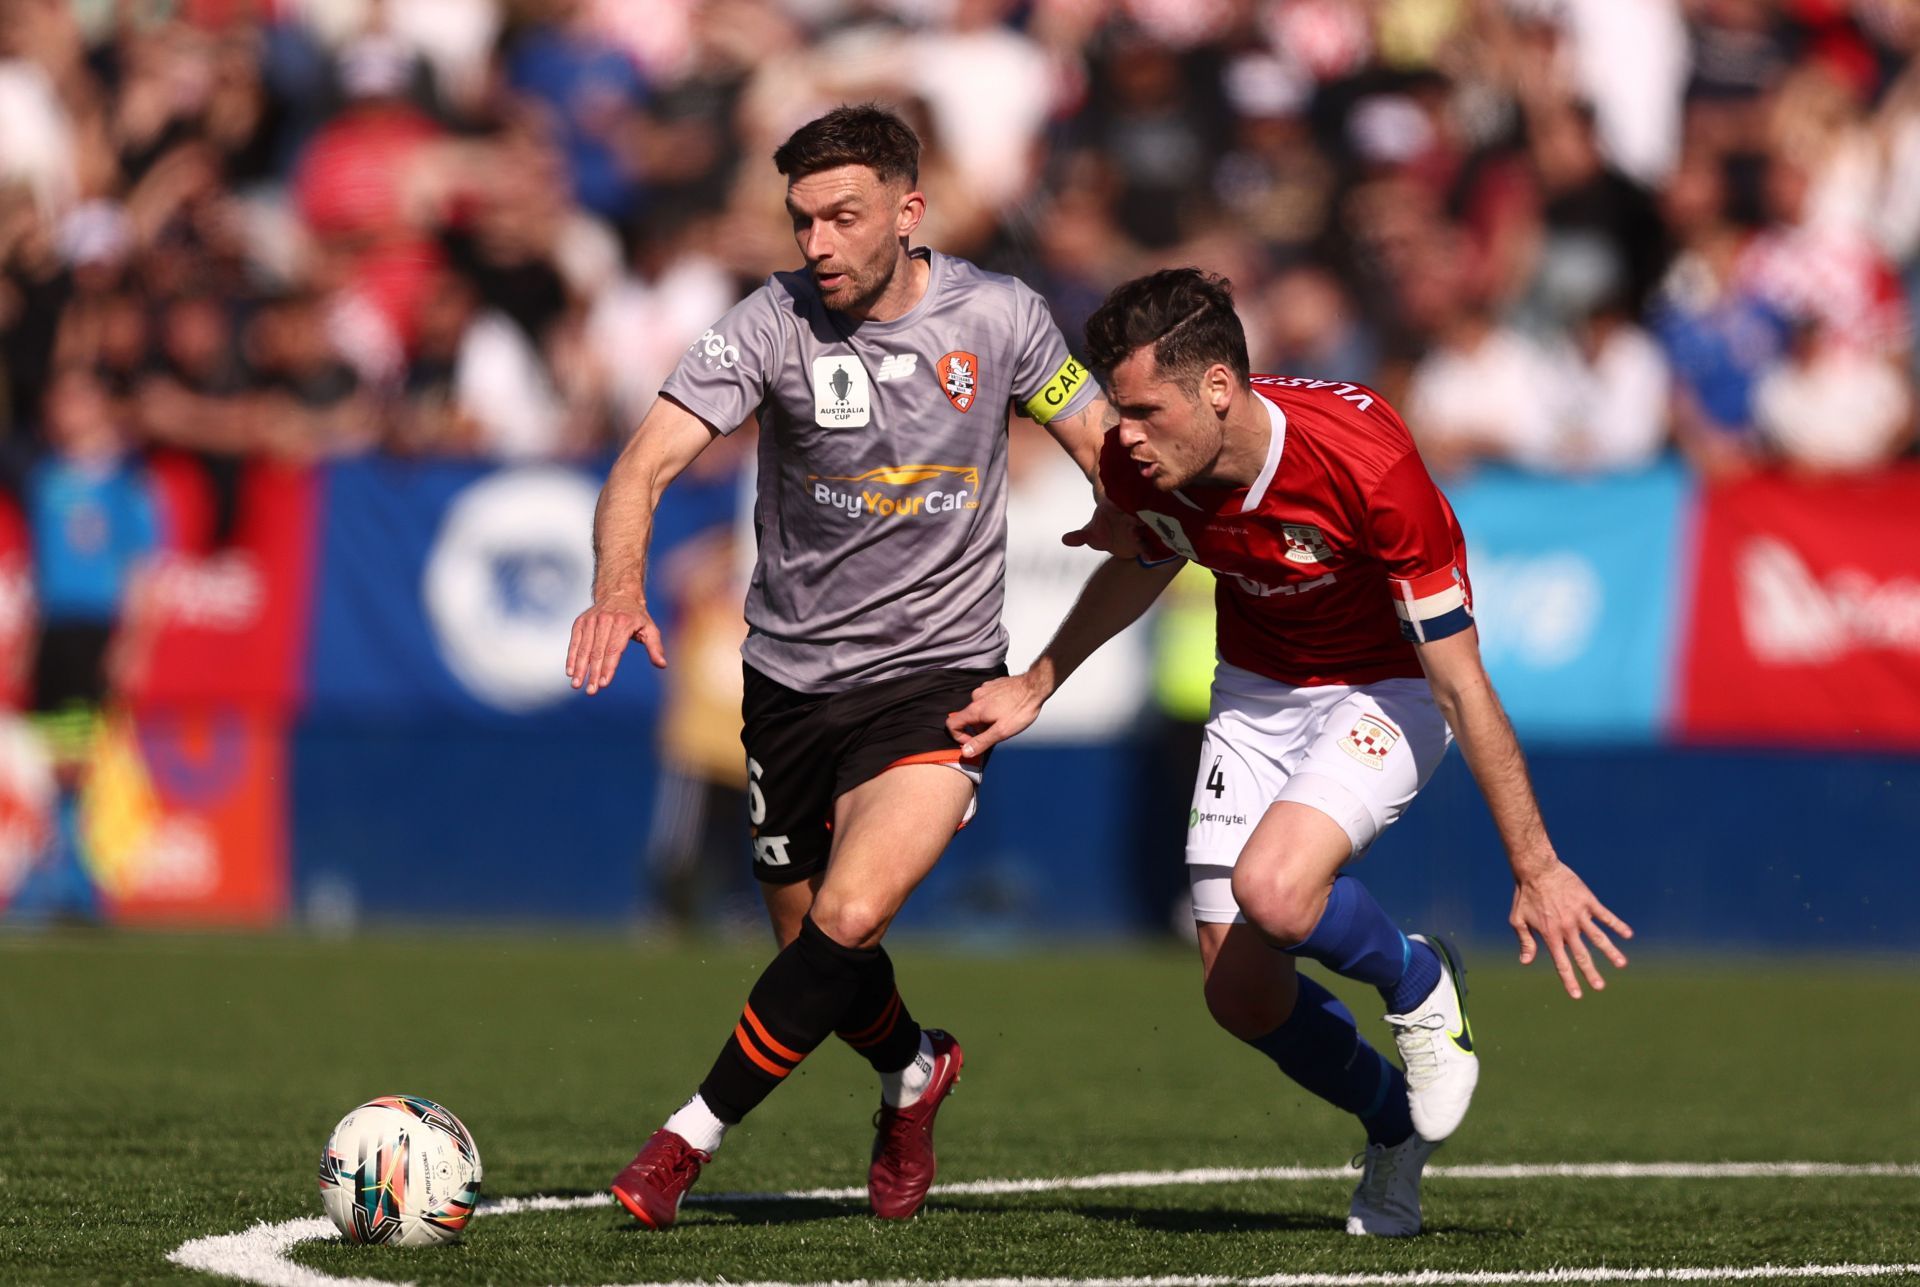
(1492, 752)
(1113, 599)
(1080, 436)
(667, 441)
(622, 530)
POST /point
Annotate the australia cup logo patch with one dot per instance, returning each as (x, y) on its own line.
(842, 398)
(1305, 544)
(1370, 740)
(959, 376)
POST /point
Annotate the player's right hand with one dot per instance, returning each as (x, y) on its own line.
(1111, 530)
(601, 634)
(1000, 709)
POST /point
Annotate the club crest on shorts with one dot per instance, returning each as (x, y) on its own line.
(1370, 741)
(1305, 544)
(959, 376)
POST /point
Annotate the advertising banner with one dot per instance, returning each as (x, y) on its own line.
(165, 818)
(1576, 587)
(1805, 623)
(17, 611)
(226, 625)
(183, 818)
(450, 589)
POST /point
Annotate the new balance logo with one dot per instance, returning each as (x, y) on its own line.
(897, 366)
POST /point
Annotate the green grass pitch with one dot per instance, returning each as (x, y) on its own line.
(156, 1089)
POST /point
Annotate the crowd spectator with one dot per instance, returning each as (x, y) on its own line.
(1566, 232)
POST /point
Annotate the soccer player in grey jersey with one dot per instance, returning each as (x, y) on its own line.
(882, 377)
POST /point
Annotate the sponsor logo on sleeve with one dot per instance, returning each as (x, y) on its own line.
(1370, 740)
(1057, 391)
(959, 376)
(1171, 534)
(897, 366)
(713, 347)
(841, 396)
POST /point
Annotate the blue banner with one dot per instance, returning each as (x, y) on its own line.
(1576, 589)
(449, 590)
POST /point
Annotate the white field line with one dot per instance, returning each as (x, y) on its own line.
(259, 1255)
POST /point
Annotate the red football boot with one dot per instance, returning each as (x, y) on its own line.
(654, 1182)
(903, 1163)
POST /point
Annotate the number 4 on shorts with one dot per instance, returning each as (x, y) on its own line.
(1215, 782)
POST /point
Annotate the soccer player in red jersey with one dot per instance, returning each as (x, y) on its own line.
(1348, 661)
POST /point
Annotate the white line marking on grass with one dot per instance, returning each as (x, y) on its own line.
(259, 1255)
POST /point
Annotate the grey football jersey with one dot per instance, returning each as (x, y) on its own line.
(881, 514)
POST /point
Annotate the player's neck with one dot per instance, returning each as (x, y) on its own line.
(1245, 437)
(908, 287)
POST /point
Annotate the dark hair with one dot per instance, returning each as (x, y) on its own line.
(1185, 314)
(853, 134)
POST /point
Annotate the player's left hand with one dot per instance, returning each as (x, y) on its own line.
(1557, 905)
(1000, 709)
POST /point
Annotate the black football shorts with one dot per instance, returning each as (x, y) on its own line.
(806, 750)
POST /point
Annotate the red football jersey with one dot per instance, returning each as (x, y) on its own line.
(1337, 560)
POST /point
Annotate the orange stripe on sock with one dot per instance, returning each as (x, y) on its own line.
(766, 1064)
(774, 1047)
(880, 1031)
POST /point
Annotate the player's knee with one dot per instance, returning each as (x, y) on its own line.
(852, 922)
(1280, 910)
(1245, 1012)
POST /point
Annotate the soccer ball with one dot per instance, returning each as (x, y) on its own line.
(400, 1170)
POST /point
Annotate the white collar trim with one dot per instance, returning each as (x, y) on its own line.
(1258, 492)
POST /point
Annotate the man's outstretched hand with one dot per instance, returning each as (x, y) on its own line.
(601, 634)
(1111, 530)
(1557, 905)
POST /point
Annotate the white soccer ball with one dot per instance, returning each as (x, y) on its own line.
(400, 1170)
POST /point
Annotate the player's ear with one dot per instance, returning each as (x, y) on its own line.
(1216, 388)
(912, 209)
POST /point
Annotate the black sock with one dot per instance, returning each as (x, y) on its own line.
(798, 1000)
(877, 1024)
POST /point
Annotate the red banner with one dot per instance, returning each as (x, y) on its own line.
(228, 625)
(18, 615)
(183, 818)
(1806, 613)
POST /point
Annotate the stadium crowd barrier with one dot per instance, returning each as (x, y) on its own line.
(355, 707)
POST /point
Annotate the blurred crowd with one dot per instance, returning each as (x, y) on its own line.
(1564, 234)
(1568, 236)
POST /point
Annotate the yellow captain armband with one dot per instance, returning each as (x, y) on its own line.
(1057, 392)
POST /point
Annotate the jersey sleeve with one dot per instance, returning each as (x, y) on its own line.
(725, 374)
(1411, 531)
(1048, 381)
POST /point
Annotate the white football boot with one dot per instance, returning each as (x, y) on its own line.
(1436, 1048)
(1387, 1202)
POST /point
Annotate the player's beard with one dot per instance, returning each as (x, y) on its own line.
(860, 289)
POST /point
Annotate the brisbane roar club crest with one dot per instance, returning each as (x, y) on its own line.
(1305, 544)
(1370, 740)
(959, 376)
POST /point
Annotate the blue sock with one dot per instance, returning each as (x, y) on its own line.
(1422, 976)
(1355, 939)
(1319, 1047)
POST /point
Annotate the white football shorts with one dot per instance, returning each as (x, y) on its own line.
(1359, 754)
